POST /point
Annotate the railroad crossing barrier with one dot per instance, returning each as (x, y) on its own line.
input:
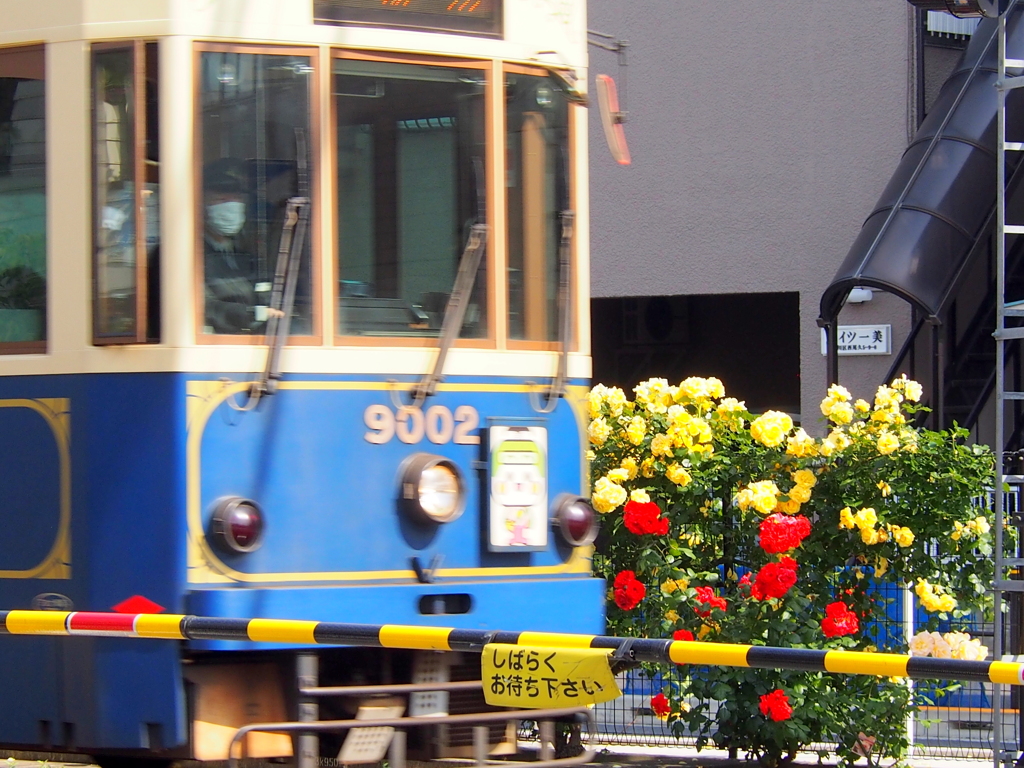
(178, 627)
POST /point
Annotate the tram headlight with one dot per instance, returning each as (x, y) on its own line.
(575, 519)
(237, 524)
(431, 488)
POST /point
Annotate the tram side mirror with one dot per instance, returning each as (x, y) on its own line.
(964, 9)
(612, 119)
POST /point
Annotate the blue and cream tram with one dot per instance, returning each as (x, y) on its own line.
(293, 324)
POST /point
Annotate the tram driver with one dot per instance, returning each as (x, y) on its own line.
(229, 265)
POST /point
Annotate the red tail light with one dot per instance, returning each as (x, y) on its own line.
(237, 524)
(575, 519)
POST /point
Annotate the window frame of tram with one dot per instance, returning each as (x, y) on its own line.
(536, 118)
(233, 302)
(380, 296)
(126, 213)
(23, 246)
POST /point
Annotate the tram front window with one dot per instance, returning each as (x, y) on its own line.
(256, 154)
(22, 201)
(537, 121)
(411, 184)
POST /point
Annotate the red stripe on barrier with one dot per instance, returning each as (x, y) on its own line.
(107, 623)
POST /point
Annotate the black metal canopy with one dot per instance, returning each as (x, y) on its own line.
(917, 240)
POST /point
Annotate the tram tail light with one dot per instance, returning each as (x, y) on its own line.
(431, 489)
(575, 520)
(237, 524)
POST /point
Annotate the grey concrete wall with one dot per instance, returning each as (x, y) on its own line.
(762, 134)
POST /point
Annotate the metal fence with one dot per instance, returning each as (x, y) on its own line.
(957, 724)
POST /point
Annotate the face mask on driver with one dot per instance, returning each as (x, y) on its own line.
(226, 218)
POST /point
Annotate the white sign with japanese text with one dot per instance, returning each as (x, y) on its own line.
(861, 340)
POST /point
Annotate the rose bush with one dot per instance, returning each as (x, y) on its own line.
(726, 526)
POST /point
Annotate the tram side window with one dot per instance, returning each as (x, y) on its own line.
(126, 188)
(537, 119)
(22, 201)
(411, 185)
(256, 154)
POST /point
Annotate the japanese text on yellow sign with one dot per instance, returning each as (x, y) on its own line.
(537, 678)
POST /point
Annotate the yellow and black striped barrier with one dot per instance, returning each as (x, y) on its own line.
(174, 627)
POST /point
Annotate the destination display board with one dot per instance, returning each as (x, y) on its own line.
(481, 17)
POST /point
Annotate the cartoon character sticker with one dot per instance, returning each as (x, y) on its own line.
(519, 493)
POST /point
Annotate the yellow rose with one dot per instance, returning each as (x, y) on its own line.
(616, 400)
(640, 496)
(654, 394)
(729, 405)
(762, 496)
(618, 475)
(801, 445)
(841, 413)
(607, 495)
(790, 507)
(839, 439)
(596, 400)
(846, 520)
(599, 431)
(913, 391)
(881, 566)
(647, 467)
(636, 429)
(629, 464)
(869, 536)
(861, 406)
(678, 475)
(839, 393)
(903, 536)
(866, 518)
(771, 428)
(800, 494)
(887, 443)
(668, 586)
(886, 397)
(804, 477)
(661, 445)
(884, 488)
(671, 616)
(981, 525)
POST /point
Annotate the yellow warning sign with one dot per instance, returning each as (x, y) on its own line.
(539, 678)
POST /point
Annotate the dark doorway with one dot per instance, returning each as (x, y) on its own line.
(750, 341)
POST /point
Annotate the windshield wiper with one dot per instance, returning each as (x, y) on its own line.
(286, 278)
(556, 389)
(454, 311)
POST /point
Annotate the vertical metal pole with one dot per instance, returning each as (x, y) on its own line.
(397, 751)
(833, 352)
(308, 676)
(908, 632)
(547, 739)
(481, 736)
(997, 490)
(938, 375)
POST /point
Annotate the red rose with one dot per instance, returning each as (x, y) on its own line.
(628, 591)
(683, 634)
(707, 596)
(839, 620)
(775, 706)
(782, 533)
(660, 705)
(641, 518)
(774, 580)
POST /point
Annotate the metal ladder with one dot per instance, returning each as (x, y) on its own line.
(1004, 584)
